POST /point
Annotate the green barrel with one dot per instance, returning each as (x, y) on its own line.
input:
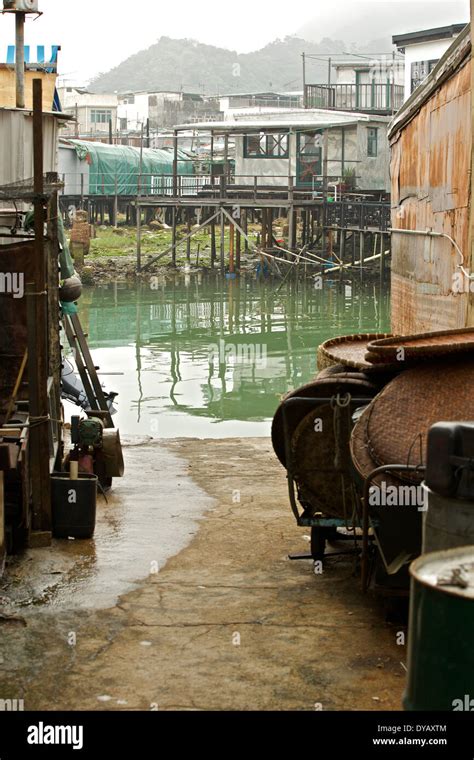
(441, 632)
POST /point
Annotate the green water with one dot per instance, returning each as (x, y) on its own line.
(210, 359)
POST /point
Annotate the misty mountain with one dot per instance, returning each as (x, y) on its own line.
(185, 64)
(357, 26)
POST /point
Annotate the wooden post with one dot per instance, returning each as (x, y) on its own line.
(175, 163)
(222, 244)
(245, 227)
(213, 243)
(325, 163)
(188, 242)
(238, 246)
(470, 257)
(38, 344)
(264, 229)
(173, 235)
(139, 237)
(116, 203)
(231, 249)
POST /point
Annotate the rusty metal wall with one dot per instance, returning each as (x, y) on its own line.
(430, 166)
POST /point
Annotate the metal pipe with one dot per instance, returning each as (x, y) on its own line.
(20, 59)
(430, 233)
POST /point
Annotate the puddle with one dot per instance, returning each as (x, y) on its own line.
(151, 515)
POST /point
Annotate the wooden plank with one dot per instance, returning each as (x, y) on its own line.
(70, 333)
(98, 390)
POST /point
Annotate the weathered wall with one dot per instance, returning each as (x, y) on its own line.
(70, 169)
(431, 160)
(335, 151)
(275, 170)
(8, 87)
(16, 145)
(373, 172)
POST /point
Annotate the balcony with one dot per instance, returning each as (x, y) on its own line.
(382, 99)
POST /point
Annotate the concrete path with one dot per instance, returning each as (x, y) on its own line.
(187, 600)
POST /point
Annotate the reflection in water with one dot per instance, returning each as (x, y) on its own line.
(210, 359)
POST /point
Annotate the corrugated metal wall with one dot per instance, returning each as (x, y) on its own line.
(16, 145)
(431, 161)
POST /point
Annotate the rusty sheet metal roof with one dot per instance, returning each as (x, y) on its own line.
(455, 56)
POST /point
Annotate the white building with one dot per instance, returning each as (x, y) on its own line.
(92, 112)
(422, 52)
(311, 146)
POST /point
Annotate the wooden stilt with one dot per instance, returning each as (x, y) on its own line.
(222, 251)
(231, 249)
(174, 237)
(238, 246)
(213, 243)
(188, 243)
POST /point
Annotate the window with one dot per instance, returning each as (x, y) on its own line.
(101, 115)
(310, 143)
(273, 145)
(123, 125)
(372, 142)
(419, 72)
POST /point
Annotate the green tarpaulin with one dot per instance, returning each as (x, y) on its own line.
(116, 168)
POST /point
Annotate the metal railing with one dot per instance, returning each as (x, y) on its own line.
(204, 186)
(376, 98)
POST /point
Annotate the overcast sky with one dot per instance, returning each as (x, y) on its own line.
(96, 35)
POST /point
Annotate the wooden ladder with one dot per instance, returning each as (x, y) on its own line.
(86, 368)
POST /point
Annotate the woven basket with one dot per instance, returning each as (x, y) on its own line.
(326, 387)
(420, 347)
(324, 484)
(348, 350)
(394, 429)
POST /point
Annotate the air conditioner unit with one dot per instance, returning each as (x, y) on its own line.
(21, 6)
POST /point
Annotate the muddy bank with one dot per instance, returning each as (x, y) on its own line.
(226, 622)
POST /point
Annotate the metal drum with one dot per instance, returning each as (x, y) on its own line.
(441, 632)
(448, 523)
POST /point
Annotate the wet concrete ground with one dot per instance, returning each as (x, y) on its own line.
(186, 600)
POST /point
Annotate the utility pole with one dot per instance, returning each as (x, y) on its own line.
(305, 103)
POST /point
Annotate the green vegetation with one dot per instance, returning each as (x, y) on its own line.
(120, 244)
